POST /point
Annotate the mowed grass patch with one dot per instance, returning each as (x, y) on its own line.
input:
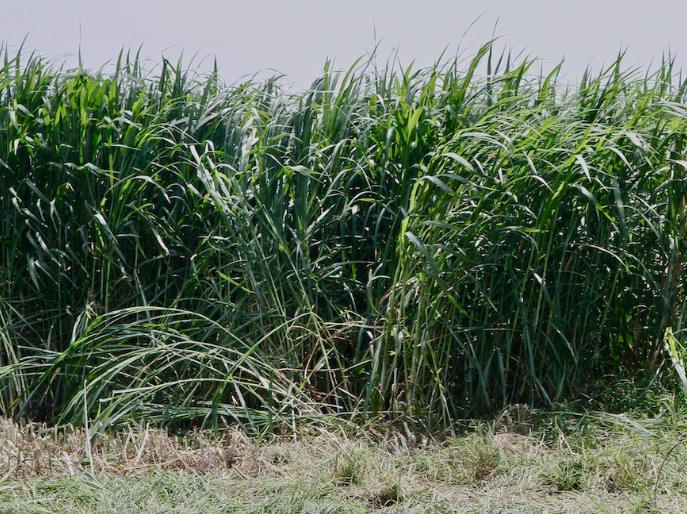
(565, 463)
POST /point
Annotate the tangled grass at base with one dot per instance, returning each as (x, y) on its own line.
(431, 243)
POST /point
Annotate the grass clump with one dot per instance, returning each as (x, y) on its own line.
(349, 468)
(471, 460)
(391, 493)
(569, 474)
(629, 470)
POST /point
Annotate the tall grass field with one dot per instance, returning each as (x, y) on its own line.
(436, 243)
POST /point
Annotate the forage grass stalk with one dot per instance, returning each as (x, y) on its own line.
(428, 242)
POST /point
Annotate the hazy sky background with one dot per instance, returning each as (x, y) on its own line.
(295, 37)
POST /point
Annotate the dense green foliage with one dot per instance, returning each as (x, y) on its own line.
(428, 242)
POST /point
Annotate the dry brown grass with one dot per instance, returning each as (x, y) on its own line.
(36, 450)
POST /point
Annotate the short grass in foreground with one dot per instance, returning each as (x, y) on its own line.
(522, 462)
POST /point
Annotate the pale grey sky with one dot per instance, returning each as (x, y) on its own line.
(295, 37)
